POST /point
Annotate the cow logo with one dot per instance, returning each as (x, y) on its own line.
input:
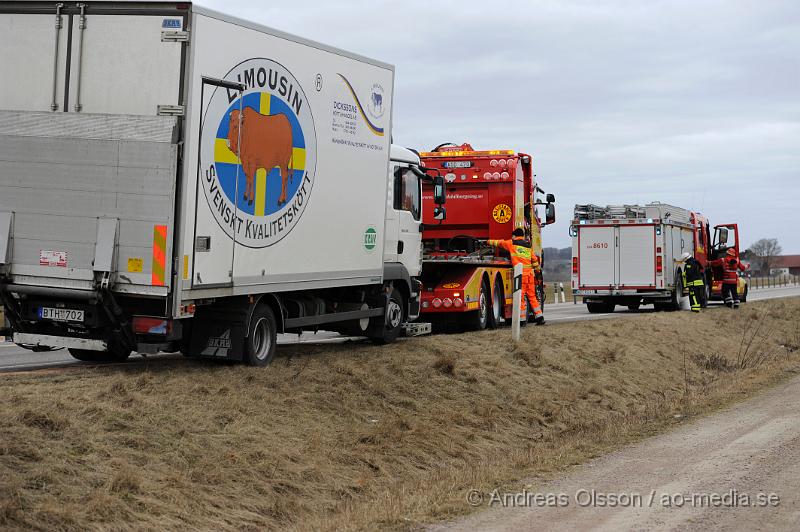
(375, 106)
(370, 239)
(501, 213)
(258, 153)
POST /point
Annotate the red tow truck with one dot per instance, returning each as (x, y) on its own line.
(467, 284)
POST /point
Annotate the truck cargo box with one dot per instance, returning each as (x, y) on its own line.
(132, 145)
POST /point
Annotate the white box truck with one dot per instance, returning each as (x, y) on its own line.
(628, 255)
(176, 178)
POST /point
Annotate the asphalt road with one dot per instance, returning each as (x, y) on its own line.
(738, 469)
(14, 358)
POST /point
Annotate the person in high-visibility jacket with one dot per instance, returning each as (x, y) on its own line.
(693, 280)
(521, 253)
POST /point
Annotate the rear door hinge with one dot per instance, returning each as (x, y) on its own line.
(171, 110)
(174, 36)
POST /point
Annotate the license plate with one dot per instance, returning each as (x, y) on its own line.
(61, 314)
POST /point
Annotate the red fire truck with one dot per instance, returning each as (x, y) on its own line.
(466, 283)
(630, 255)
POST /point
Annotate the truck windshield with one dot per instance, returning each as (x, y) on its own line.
(407, 195)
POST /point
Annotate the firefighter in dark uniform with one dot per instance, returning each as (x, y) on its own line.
(693, 280)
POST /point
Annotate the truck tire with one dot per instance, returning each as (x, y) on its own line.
(600, 307)
(498, 304)
(478, 319)
(677, 294)
(634, 306)
(385, 329)
(86, 355)
(743, 297)
(706, 294)
(262, 337)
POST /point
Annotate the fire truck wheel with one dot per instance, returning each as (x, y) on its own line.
(498, 302)
(598, 307)
(478, 319)
(677, 294)
(706, 295)
(262, 336)
(386, 329)
(634, 306)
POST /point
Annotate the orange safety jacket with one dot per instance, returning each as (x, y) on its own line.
(520, 251)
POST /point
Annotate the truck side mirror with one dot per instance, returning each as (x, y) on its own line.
(439, 190)
(723, 236)
(550, 198)
(550, 213)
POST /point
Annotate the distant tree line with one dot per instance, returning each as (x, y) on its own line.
(763, 255)
(557, 263)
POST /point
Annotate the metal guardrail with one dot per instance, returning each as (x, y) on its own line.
(774, 281)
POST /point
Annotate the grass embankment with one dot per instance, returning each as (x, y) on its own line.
(358, 436)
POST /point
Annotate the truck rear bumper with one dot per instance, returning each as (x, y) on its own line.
(60, 341)
(616, 292)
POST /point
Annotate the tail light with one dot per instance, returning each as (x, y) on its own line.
(487, 175)
(436, 302)
(502, 163)
(659, 264)
(493, 163)
(574, 265)
(447, 302)
(511, 163)
(458, 302)
(504, 175)
(144, 325)
(496, 175)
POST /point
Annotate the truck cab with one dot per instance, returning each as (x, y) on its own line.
(403, 239)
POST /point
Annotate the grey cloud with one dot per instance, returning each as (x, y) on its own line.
(692, 103)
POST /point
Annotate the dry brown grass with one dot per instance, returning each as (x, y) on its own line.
(356, 436)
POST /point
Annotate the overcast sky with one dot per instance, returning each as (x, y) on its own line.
(693, 103)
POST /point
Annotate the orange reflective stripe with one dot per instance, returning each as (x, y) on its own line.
(159, 255)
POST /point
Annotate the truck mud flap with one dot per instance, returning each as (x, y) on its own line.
(219, 332)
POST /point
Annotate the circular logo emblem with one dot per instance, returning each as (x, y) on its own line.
(370, 238)
(375, 106)
(501, 213)
(258, 153)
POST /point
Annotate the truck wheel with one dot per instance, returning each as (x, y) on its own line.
(743, 297)
(388, 327)
(677, 294)
(595, 307)
(262, 336)
(634, 306)
(498, 302)
(99, 356)
(706, 294)
(478, 319)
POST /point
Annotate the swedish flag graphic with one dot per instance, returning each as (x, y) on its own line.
(267, 181)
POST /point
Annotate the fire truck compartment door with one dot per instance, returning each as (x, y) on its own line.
(597, 257)
(637, 256)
